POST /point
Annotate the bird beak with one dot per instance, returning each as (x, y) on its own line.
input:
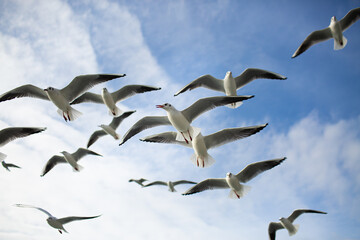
(159, 106)
(45, 90)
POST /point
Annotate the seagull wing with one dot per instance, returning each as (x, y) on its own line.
(205, 104)
(165, 137)
(351, 17)
(313, 38)
(29, 206)
(231, 134)
(84, 82)
(9, 134)
(273, 227)
(145, 123)
(206, 81)
(51, 163)
(88, 97)
(117, 120)
(95, 136)
(156, 183)
(208, 184)
(24, 91)
(251, 74)
(81, 152)
(298, 212)
(254, 169)
(12, 165)
(183, 182)
(70, 219)
(130, 90)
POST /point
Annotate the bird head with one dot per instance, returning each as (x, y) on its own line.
(228, 74)
(104, 90)
(166, 106)
(333, 19)
(228, 174)
(49, 89)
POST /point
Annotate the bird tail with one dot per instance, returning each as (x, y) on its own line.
(2, 156)
(338, 46)
(234, 105)
(116, 112)
(203, 163)
(70, 115)
(78, 168)
(296, 228)
(194, 131)
(239, 193)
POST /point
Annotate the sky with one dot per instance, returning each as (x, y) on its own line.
(313, 117)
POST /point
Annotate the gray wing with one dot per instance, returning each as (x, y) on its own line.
(351, 17)
(254, 169)
(183, 182)
(155, 183)
(24, 91)
(51, 163)
(29, 206)
(208, 184)
(117, 120)
(145, 123)
(231, 134)
(165, 137)
(70, 219)
(88, 97)
(205, 104)
(130, 90)
(273, 227)
(81, 152)
(251, 74)
(12, 165)
(313, 38)
(298, 212)
(206, 81)
(95, 136)
(84, 82)
(9, 134)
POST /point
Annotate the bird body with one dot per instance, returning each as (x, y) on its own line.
(109, 130)
(292, 229)
(8, 165)
(201, 152)
(238, 190)
(110, 103)
(71, 160)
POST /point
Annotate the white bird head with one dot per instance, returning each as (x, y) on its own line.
(49, 89)
(228, 74)
(228, 174)
(104, 90)
(333, 19)
(166, 106)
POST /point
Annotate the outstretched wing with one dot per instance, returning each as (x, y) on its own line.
(156, 183)
(351, 17)
(251, 74)
(84, 82)
(183, 182)
(273, 227)
(208, 184)
(9, 134)
(254, 169)
(24, 91)
(81, 152)
(206, 81)
(298, 212)
(117, 120)
(130, 90)
(51, 163)
(95, 136)
(70, 219)
(29, 206)
(88, 97)
(165, 137)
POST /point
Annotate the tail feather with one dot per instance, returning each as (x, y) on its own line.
(70, 115)
(194, 131)
(78, 168)
(234, 105)
(116, 112)
(2, 156)
(203, 163)
(239, 193)
(338, 46)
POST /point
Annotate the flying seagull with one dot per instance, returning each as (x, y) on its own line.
(61, 97)
(54, 222)
(170, 184)
(9, 134)
(287, 223)
(201, 144)
(110, 99)
(181, 120)
(334, 30)
(8, 165)
(230, 84)
(233, 182)
(109, 129)
(72, 159)
(138, 181)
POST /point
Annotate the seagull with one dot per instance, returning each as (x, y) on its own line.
(7, 165)
(233, 182)
(334, 30)
(9, 134)
(54, 222)
(170, 184)
(109, 129)
(61, 97)
(201, 144)
(287, 223)
(138, 181)
(230, 84)
(72, 159)
(110, 99)
(181, 120)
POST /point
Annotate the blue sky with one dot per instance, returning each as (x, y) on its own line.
(313, 118)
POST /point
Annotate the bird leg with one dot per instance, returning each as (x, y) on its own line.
(60, 231)
(189, 135)
(197, 161)
(64, 117)
(68, 115)
(237, 195)
(187, 142)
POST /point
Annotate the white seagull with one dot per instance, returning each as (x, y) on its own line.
(233, 182)
(109, 129)
(171, 185)
(230, 84)
(110, 99)
(54, 222)
(8, 165)
(72, 159)
(61, 97)
(287, 223)
(334, 30)
(138, 181)
(9, 134)
(181, 120)
(201, 144)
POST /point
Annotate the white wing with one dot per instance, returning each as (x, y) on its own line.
(29, 206)
(24, 91)
(9, 134)
(206, 81)
(208, 184)
(165, 137)
(298, 212)
(130, 90)
(351, 17)
(73, 218)
(251, 74)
